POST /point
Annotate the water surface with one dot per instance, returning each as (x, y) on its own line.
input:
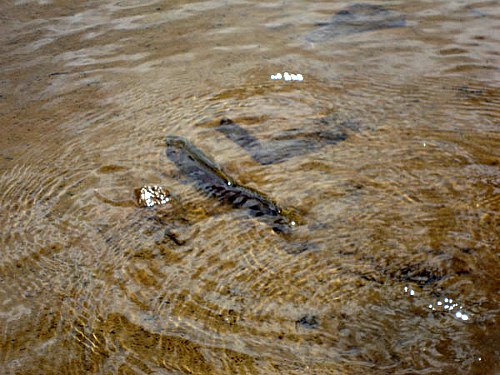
(400, 214)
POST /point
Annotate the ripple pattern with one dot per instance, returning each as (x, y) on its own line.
(396, 271)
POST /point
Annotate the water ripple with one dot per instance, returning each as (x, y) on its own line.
(400, 214)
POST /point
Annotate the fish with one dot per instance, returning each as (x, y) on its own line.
(209, 178)
(356, 18)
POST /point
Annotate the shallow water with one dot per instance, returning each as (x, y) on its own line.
(400, 216)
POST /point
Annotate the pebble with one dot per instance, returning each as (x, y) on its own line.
(149, 196)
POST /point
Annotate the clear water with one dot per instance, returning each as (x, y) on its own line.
(401, 218)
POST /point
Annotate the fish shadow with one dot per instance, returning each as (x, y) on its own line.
(289, 143)
(356, 18)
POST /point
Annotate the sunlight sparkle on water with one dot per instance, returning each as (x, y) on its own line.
(448, 305)
(410, 291)
(288, 76)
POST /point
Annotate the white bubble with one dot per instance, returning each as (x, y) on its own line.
(458, 314)
(292, 223)
(439, 303)
(412, 292)
(446, 300)
(446, 307)
(430, 306)
(288, 76)
(406, 289)
(465, 317)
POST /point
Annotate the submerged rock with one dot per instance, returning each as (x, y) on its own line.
(149, 196)
(356, 18)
